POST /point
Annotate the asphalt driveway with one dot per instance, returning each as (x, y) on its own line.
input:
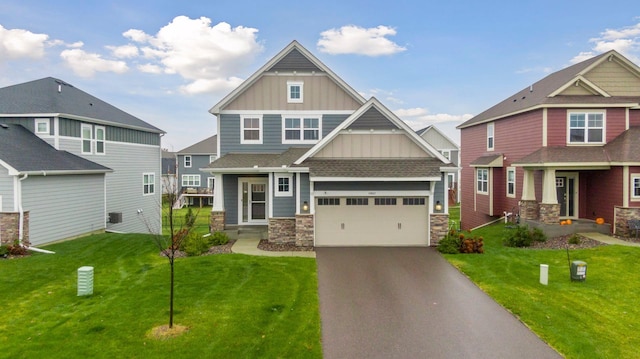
(411, 303)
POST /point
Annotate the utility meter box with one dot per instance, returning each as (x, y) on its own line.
(85, 281)
(578, 271)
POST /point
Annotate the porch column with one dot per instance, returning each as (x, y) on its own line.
(218, 214)
(549, 208)
(528, 202)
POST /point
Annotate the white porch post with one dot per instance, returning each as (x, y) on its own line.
(549, 194)
(528, 186)
(218, 197)
(297, 192)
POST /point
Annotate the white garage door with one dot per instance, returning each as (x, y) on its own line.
(369, 221)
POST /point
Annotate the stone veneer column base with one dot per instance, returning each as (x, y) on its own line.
(10, 228)
(304, 230)
(216, 221)
(529, 210)
(549, 213)
(282, 230)
(622, 215)
(438, 228)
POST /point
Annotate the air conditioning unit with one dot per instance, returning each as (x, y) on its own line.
(115, 217)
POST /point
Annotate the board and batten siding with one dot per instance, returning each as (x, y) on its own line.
(63, 206)
(270, 93)
(371, 145)
(124, 185)
(284, 206)
(6, 191)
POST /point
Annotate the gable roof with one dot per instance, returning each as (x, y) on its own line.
(545, 91)
(433, 128)
(293, 57)
(51, 96)
(382, 117)
(22, 152)
(208, 146)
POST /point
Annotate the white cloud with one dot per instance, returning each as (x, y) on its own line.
(625, 40)
(124, 52)
(19, 43)
(353, 39)
(419, 117)
(206, 55)
(87, 64)
(150, 68)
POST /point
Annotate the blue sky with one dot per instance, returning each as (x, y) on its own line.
(169, 62)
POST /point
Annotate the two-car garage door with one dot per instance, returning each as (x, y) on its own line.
(371, 221)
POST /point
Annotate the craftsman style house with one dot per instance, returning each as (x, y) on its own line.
(72, 164)
(304, 154)
(566, 147)
(195, 187)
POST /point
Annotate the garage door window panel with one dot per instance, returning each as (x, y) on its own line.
(418, 201)
(385, 201)
(328, 201)
(357, 201)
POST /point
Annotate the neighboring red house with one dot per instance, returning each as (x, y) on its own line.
(566, 147)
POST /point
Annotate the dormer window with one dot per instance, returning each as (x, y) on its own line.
(295, 93)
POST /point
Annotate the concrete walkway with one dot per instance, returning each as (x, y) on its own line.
(600, 237)
(249, 245)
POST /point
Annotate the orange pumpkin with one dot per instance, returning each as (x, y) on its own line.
(562, 223)
(600, 220)
(568, 221)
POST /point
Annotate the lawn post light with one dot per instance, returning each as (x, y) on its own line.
(85, 281)
(544, 274)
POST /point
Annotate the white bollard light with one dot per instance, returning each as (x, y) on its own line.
(85, 281)
(544, 274)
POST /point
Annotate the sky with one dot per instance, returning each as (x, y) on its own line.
(431, 63)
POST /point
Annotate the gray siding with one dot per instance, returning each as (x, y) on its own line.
(284, 206)
(6, 191)
(294, 61)
(372, 119)
(305, 189)
(27, 122)
(124, 184)
(197, 162)
(439, 191)
(72, 128)
(63, 206)
(372, 186)
(230, 184)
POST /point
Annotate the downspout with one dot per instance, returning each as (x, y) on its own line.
(21, 222)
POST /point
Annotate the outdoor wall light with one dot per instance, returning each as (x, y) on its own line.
(305, 206)
(438, 206)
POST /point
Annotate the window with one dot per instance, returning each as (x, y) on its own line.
(301, 129)
(482, 180)
(251, 131)
(511, 182)
(100, 140)
(635, 187)
(190, 180)
(446, 154)
(586, 127)
(212, 158)
(187, 161)
(328, 201)
(294, 92)
(490, 136)
(385, 201)
(42, 126)
(87, 138)
(148, 183)
(284, 184)
(357, 201)
(418, 201)
(210, 183)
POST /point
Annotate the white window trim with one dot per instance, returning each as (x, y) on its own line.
(302, 128)
(511, 195)
(190, 161)
(46, 121)
(82, 139)
(104, 140)
(491, 134)
(277, 192)
(212, 158)
(152, 183)
(255, 142)
(587, 112)
(211, 182)
(634, 177)
(291, 84)
(446, 154)
(476, 180)
(187, 178)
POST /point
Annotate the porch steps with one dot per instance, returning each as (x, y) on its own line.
(179, 203)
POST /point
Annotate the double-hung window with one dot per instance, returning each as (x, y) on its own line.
(251, 129)
(187, 161)
(295, 92)
(100, 140)
(482, 180)
(635, 187)
(190, 180)
(284, 185)
(301, 129)
(148, 183)
(511, 182)
(586, 127)
(490, 136)
(87, 139)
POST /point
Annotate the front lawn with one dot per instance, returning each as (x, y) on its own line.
(201, 225)
(235, 306)
(598, 318)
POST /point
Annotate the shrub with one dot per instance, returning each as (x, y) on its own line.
(455, 242)
(189, 218)
(4, 250)
(195, 244)
(574, 239)
(218, 239)
(522, 236)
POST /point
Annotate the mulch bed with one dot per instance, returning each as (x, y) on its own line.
(223, 249)
(265, 245)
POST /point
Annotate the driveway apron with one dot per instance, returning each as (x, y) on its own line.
(411, 303)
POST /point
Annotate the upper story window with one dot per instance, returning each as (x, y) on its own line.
(212, 158)
(446, 154)
(490, 136)
(93, 139)
(87, 136)
(301, 129)
(148, 183)
(284, 185)
(100, 140)
(586, 127)
(482, 180)
(635, 187)
(187, 161)
(511, 182)
(251, 129)
(42, 126)
(295, 93)
(190, 180)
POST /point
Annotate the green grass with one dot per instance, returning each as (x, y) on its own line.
(598, 318)
(235, 306)
(202, 218)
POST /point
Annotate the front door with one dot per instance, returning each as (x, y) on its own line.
(253, 200)
(566, 190)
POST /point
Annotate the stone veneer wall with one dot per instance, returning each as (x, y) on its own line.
(529, 210)
(304, 230)
(439, 226)
(216, 221)
(549, 213)
(622, 215)
(282, 230)
(10, 228)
